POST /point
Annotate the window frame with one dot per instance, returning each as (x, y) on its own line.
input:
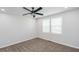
(50, 24)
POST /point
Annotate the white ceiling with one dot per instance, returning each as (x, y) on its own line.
(46, 10)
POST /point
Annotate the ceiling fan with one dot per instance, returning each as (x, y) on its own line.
(33, 12)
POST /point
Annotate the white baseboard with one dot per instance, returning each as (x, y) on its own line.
(16, 42)
(22, 40)
(61, 43)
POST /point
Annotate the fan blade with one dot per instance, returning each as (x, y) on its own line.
(38, 9)
(39, 13)
(26, 14)
(26, 9)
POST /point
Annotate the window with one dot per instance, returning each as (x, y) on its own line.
(46, 25)
(56, 25)
(53, 25)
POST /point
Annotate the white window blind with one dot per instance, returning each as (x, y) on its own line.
(56, 25)
(53, 25)
(46, 25)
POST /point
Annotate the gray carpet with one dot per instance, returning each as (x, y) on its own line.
(38, 45)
